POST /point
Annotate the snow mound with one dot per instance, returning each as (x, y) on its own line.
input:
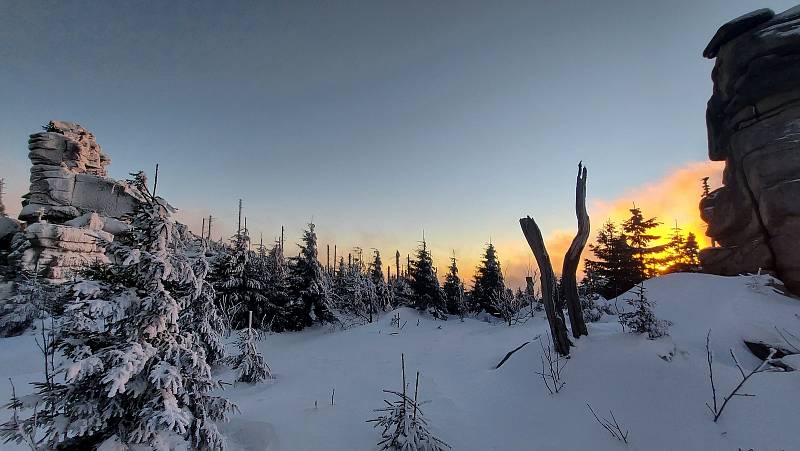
(657, 389)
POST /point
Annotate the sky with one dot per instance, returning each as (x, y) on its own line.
(378, 120)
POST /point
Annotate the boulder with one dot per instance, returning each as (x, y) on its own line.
(753, 120)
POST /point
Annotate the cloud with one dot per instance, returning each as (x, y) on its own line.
(672, 198)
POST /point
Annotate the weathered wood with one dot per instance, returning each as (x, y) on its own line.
(555, 316)
(573, 257)
(510, 353)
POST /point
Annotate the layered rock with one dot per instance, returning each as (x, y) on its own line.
(59, 251)
(73, 208)
(753, 120)
(69, 178)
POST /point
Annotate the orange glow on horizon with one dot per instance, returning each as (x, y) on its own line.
(675, 197)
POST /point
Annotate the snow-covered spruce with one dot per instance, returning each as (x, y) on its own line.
(642, 319)
(138, 375)
(428, 296)
(249, 364)
(404, 425)
(453, 289)
(203, 316)
(30, 302)
(359, 294)
(489, 288)
(276, 288)
(310, 290)
(239, 282)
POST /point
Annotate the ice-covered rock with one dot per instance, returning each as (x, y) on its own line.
(58, 250)
(73, 207)
(753, 120)
(69, 178)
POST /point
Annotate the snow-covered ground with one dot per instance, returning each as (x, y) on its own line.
(656, 388)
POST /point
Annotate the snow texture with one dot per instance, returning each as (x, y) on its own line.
(657, 388)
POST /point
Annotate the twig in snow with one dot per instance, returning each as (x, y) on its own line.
(612, 426)
(794, 343)
(760, 368)
(552, 366)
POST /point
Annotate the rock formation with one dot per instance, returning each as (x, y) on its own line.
(753, 120)
(68, 177)
(73, 208)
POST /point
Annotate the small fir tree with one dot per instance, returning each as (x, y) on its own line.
(615, 268)
(638, 233)
(249, 364)
(641, 319)
(382, 297)
(428, 295)
(203, 316)
(489, 286)
(691, 252)
(276, 290)
(310, 290)
(240, 283)
(404, 425)
(32, 300)
(454, 291)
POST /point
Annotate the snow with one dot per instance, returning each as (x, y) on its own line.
(657, 389)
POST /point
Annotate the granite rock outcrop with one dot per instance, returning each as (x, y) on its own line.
(753, 120)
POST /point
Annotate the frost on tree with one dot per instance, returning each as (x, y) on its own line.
(134, 372)
(641, 319)
(276, 289)
(359, 291)
(239, 281)
(203, 315)
(30, 302)
(249, 364)
(310, 290)
(404, 425)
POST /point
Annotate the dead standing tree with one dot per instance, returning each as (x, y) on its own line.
(555, 316)
(573, 257)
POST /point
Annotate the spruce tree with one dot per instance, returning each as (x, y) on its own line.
(136, 375)
(673, 260)
(203, 316)
(401, 294)
(276, 290)
(355, 291)
(489, 287)
(382, 298)
(454, 291)
(638, 233)
(249, 364)
(309, 289)
(240, 283)
(691, 252)
(615, 269)
(428, 295)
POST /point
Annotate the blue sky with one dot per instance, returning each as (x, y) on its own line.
(377, 119)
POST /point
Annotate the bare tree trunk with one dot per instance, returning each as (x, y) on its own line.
(555, 316)
(573, 257)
